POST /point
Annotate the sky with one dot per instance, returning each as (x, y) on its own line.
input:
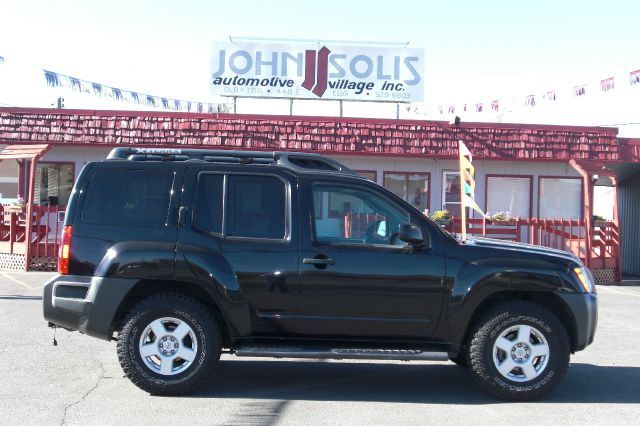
(474, 51)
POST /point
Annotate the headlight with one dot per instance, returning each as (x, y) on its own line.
(585, 277)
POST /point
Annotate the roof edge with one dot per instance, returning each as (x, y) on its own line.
(355, 120)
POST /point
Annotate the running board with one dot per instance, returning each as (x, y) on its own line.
(339, 353)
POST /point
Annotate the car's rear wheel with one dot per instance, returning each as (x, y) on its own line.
(169, 344)
(519, 351)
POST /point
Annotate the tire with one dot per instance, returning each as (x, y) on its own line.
(169, 344)
(519, 351)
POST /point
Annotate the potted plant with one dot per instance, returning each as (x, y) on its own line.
(17, 205)
(442, 217)
(501, 218)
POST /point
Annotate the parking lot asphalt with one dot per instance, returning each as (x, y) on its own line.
(79, 381)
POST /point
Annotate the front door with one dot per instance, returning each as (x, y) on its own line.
(357, 278)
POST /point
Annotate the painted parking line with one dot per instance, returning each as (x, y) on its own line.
(617, 291)
(17, 281)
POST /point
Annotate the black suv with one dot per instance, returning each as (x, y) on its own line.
(181, 254)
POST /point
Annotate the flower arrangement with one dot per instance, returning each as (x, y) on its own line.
(19, 202)
(501, 217)
(441, 215)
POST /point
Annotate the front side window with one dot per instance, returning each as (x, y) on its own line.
(128, 198)
(256, 207)
(364, 216)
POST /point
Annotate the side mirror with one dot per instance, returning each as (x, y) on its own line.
(411, 233)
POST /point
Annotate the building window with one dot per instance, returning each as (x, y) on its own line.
(509, 194)
(53, 184)
(412, 187)
(560, 198)
(369, 174)
(451, 192)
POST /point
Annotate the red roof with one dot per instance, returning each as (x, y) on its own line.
(318, 134)
(630, 149)
(23, 151)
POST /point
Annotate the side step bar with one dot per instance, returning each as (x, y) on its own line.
(339, 353)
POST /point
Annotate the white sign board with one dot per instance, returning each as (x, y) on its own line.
(317, 71)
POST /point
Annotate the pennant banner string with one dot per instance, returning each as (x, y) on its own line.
(54, 79)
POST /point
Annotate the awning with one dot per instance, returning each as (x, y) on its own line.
(593, 167)
(28, 152)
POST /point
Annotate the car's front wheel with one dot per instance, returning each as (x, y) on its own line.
(169, 344)
(519, 351)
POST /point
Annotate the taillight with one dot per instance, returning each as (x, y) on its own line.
(65, 250)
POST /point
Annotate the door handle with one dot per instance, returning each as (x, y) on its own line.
(318, 261)
(182, 216)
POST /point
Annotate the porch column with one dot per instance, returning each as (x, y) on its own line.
(616, 222)
(588, 212)
(587, 193)
(30, 202)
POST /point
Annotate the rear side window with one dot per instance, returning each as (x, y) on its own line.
(128, 198)
(208, 208)
(256, 207)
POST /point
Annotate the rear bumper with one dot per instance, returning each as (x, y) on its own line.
(84, 303)
(584, 308)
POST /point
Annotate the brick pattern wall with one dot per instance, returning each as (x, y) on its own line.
(325, 135)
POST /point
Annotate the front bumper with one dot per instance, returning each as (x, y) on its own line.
(584, 308)
(84, 303)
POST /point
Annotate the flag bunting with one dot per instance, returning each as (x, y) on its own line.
(467, 187)
(55, 79)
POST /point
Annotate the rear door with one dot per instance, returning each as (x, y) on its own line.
(126, 207)
(242, 222)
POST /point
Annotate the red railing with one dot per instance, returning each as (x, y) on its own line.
(46, 225)
(355, 225)
(601, 251)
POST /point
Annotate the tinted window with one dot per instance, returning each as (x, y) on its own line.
(363, 216)
(128, 198)
(256, 207)
(209, 203)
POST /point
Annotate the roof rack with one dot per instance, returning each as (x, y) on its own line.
(298, 161)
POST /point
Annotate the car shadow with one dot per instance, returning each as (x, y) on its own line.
(432, 383)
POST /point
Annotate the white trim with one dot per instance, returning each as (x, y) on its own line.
(444, 192)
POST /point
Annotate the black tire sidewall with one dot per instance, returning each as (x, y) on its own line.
(556, 364)
(207, 353)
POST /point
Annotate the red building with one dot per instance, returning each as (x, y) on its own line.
(544, 177)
